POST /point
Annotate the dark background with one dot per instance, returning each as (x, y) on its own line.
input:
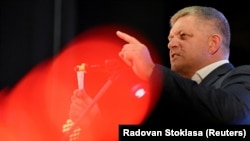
(32, 31)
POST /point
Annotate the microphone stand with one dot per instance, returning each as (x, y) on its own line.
(108, 83)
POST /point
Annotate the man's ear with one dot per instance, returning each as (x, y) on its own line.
(214, 43)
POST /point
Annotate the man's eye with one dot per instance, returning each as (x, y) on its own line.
(183, 35)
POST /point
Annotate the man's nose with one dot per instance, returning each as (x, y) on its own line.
(172, 43)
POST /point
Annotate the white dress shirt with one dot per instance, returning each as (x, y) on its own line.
(203, 72)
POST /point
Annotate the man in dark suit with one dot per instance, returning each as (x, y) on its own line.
(202, 86)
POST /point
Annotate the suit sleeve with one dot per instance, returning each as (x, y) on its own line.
(184, 97)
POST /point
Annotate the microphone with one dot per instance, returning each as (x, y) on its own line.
(109, 65)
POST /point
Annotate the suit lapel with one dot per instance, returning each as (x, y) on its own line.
(215, 74)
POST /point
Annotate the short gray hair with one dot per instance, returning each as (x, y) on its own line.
(207, 13)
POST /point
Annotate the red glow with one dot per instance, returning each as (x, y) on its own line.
(38, 106)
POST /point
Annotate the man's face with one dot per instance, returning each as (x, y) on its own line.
(188, 44)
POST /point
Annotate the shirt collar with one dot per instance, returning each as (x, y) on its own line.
(203, 72)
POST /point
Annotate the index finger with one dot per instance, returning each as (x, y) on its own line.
(127, 38)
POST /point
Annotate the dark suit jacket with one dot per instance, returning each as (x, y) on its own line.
(183, 101)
